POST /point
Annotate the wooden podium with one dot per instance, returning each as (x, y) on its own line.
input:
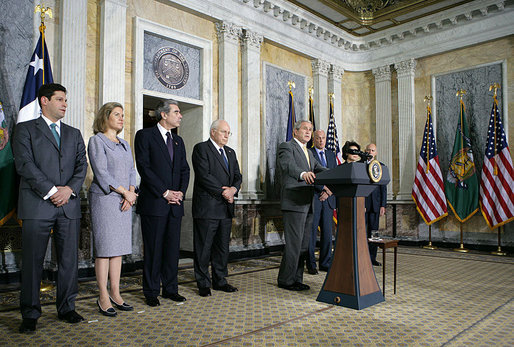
(351, 280)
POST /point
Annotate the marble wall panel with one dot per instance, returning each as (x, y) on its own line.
(153, 43)
(358, 103)
(17, 37)
(276, 114)
(478, 103)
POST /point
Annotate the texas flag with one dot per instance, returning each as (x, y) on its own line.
(39, 73)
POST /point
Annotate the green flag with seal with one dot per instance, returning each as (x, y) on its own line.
(7, 173)
(461, 184)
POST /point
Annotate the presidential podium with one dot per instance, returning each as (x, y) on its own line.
(351, 280)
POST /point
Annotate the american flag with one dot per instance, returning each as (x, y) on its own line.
(332, 140)
(428, 188)
(496, 186)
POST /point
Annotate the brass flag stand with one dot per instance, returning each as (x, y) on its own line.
(429, 246)
(499, 249)
(461, 247)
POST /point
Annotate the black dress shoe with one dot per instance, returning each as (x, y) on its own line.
(204, 291)
(110, 312)
(376, 263)
(292, 287)
(302, 286)
(174, 296)
(312, 271)
(152, 301)
(27, 325)
(71, 317)
(226, 288)
(122, 307)
(324, 269)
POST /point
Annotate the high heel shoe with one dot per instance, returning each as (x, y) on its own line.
(110, 312)
(122, 307)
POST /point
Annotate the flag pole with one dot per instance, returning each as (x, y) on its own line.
(45, 11)
(461, 247)
(427, 100)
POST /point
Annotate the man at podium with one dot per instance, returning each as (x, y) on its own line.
(296, 168)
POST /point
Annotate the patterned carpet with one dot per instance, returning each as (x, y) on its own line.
(443, 298)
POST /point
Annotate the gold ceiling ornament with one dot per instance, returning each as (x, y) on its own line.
(367, 8)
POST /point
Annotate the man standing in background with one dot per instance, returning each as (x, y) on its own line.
(323, 210)
(375, 207)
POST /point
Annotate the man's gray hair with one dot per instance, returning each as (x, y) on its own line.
(298, 124)
(163, 106)
(215, 124)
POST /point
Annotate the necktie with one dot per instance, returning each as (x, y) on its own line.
(224, 159)
(322, 157)
(306, 155)
(169, 144)
(56, 135)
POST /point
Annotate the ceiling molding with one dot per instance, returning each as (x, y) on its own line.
(295, 28)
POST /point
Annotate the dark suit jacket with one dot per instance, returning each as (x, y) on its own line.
(296, 194)
(330, 158)
(377, 199)
(210, 175)
(157, 172)
(42, 165)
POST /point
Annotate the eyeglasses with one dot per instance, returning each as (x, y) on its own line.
(225, 132)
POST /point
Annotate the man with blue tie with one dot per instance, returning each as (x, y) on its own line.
(50, 158)
(323, 216)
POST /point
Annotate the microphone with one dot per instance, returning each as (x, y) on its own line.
(363, 155)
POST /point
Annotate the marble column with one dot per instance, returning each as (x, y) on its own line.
(112, 51)
(251, 118)
(73, 38)
(320, 70)
(228, 37)
(383, 121)
(406, 124)
(334, 86)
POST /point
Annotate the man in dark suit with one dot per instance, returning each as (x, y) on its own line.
(217, 182)
(161, 163)
(323, 210)
(50, 158)
(375, 208)
(296, 168)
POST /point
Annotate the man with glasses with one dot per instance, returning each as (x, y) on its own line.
(217, 182)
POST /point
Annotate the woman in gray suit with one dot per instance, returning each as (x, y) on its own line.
(111, 196)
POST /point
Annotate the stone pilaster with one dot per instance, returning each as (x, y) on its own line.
(228, 37)
(334, 86)
(383, 136)
(73, 59)
(251, 152)
(406, 124)
(320, 69)
(112, 51)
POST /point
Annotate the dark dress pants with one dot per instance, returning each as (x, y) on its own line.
(323, 217)
(297, 230)
(372, 223)
(161, 243)
(211, 239)
(35, 236)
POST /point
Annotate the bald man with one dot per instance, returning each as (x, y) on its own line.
(217, 182)
(375, 207)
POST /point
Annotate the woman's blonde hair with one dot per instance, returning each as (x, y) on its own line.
(102, 116)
